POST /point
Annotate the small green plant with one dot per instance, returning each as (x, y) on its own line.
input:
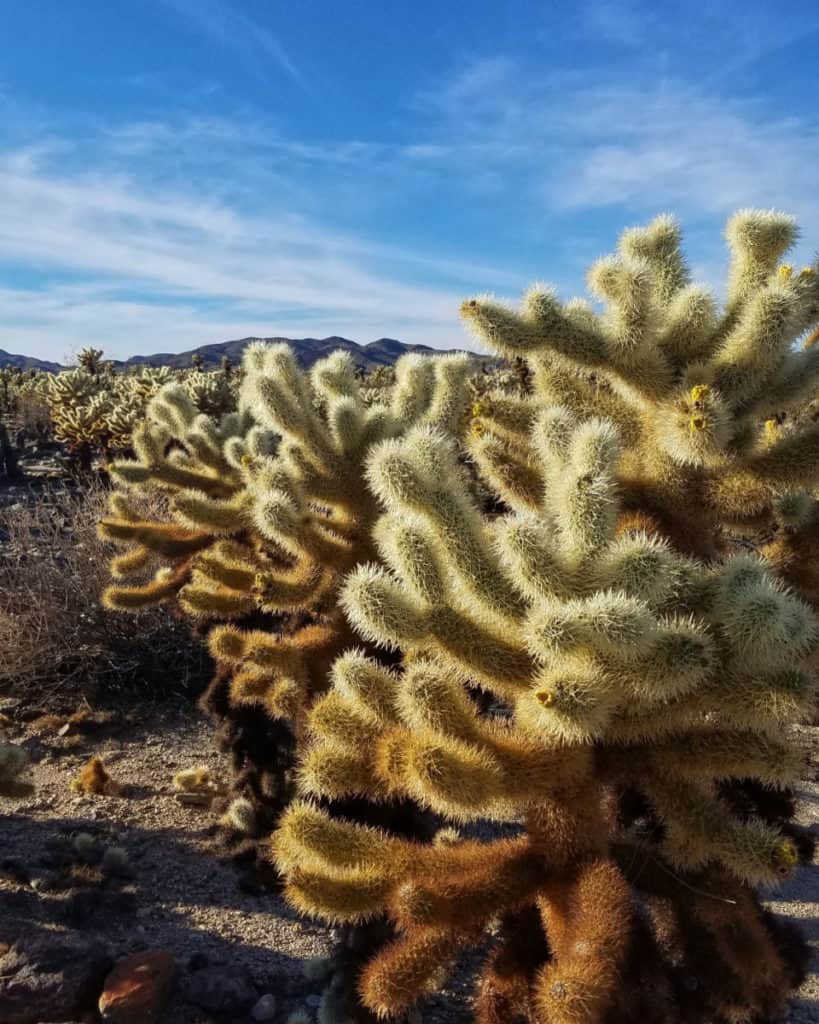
(14, 763)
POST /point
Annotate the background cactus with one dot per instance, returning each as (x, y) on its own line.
(90, 359)
(95, 411)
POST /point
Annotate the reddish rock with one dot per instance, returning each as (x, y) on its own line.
(137, 988)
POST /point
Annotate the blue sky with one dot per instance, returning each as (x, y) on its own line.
(179, 172)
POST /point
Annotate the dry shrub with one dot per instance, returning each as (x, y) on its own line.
(94, 778)
(55, 636)
(33, 416)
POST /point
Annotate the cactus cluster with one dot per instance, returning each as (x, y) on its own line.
(11, 379)
(268, 510)
(699, 393)
(644, 671)
(543, 642)
(94, 411)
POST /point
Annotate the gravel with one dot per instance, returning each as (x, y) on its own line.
(183, 898)
(186, 899)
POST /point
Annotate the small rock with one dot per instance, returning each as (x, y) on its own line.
(221, 990)
(265, 1009)
(194, 799)
(51, 978)
(137, 988)
(314, 1002)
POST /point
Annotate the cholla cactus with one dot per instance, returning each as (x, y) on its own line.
(268, 511)
(11, 377)
(642, 705)
(376, 384)
(97, 414)
(78, 405)
(694, 389)
(585, 662)
(90, 360)
(212, 393)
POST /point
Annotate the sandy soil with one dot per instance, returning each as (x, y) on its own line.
(183, 897)
(187, 900)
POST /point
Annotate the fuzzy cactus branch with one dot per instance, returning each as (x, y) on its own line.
(620, 673)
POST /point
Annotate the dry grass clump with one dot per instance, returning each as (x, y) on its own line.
(198, 786)
(55, 637)
(94, 779)
(34, 417)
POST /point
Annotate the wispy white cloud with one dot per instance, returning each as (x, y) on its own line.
(236, 30)
(683, 149)
(627, 142)
(176, 266)
(153, 235)
(56, 322)
(172, 251)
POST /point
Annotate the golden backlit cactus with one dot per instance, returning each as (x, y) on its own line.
(268, 505)
(268, 509)
(541, 704)
(623, 708)
(692, 387)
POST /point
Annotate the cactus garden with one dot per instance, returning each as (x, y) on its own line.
(500, 666)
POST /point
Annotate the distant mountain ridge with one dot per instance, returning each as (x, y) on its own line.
(383, 352)
(27, 362)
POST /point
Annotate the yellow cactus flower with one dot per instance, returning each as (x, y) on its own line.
(785, 855)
